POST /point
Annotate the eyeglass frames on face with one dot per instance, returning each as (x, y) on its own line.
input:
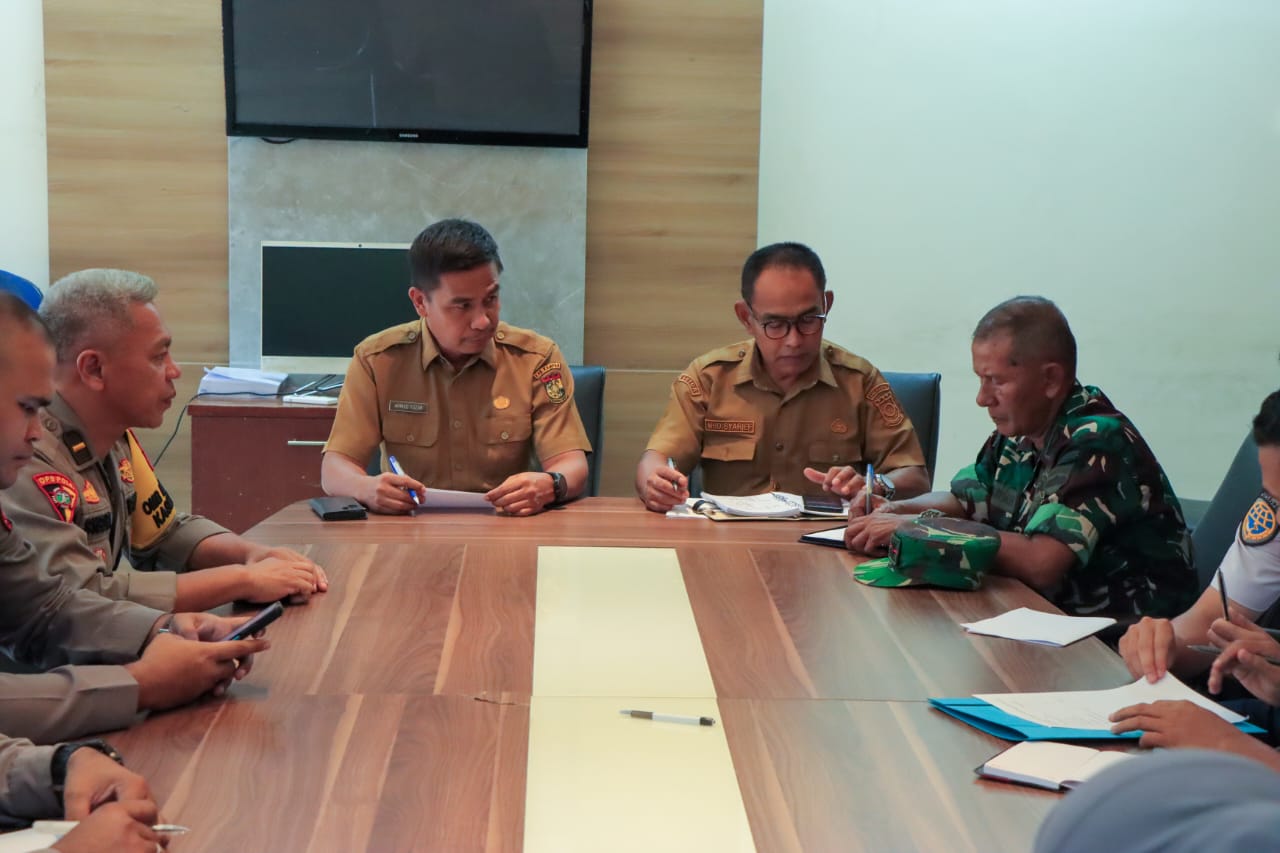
(777, 328)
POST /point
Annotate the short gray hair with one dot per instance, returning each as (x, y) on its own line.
(92, 301)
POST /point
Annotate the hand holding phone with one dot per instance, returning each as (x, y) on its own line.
(256, 624)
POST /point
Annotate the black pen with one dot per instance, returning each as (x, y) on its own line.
(1222, 590)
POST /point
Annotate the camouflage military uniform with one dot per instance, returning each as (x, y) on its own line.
(1097, 488)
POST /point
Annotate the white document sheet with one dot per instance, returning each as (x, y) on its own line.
(449, 499)
(1033, 626)
(1089, 709)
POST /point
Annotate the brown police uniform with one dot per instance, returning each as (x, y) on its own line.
(467, 429)
(47, 622)
(84, 513)
(728, 416)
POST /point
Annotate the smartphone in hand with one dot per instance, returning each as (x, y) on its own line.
(256, 624)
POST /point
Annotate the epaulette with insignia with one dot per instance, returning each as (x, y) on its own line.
(405, 333)
(1258, 527)
(78, 447)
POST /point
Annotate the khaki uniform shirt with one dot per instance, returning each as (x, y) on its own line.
(84, 513)
(467, 429)
(46, 622)
(728, 416)
(26, 782)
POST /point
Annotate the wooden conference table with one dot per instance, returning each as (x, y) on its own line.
(394, 713)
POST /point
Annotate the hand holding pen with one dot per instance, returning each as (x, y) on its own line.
(664, 487)
(392, 491)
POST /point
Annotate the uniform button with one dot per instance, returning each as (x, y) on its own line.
(505, 435)
(413, 336)
(742, 353)
(831, 351)
(50, 424)
(835, 457)
(501, 335)
(409, 437)
(778, 446)
(457, 424)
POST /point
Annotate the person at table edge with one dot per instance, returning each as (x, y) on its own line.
(784, 410)
(458, 396)
(1085, 514)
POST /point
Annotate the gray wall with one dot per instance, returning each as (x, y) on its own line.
(533, 201)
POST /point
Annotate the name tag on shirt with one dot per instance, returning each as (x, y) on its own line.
(409, 407)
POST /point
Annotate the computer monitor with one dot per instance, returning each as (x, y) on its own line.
(321, 299)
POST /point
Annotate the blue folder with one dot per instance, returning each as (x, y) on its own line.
(990, 719)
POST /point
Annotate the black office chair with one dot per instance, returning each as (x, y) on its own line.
(588, 393)
(920, 395)
(1213, 535)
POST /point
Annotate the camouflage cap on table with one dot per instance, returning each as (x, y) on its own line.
(949, 552)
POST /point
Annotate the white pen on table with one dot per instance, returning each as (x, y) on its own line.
(871, 478)
(669, 718)
(395, 466)
(62, 827)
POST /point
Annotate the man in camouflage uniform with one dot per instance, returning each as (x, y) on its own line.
(1086, 514)
(784, 409)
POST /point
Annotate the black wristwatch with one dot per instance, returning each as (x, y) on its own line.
(62, 755)
(560, 485)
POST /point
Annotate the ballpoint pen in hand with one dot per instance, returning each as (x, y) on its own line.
(395, 466)
(871, 479)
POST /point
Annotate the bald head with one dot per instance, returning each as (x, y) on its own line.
(1037, 329)
(90, 308)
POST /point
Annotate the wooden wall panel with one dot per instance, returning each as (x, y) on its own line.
(138, 179)
(671, 176)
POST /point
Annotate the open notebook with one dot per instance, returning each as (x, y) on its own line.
(1045, 764)
(770, 505)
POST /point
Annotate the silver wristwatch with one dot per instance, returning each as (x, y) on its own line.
(886, 484)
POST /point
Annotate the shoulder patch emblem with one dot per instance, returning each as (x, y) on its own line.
(61, 493)
(126, 470)
(89, 493)
(882, 397)
(695, 390)
(553, 384)
(549, 367)
(718, 425)
(1259, 524)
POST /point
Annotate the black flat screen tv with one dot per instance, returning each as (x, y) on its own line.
(484, 72)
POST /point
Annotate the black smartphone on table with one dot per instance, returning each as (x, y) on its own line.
(256, 624)
(824, 504)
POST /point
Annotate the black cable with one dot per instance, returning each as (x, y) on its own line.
(182, 413)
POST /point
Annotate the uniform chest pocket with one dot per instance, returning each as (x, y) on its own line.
(836, 451)
(508, 430)
(726, 447)
(405, 428)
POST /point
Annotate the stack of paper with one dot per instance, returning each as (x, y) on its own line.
(1034, 626)
(241, 380)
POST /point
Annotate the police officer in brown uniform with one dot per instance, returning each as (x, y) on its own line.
(89, 497)
(47, 622)
(458, 397)
(783, 409)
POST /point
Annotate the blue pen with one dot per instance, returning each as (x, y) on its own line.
(871, 479)
(395, 466)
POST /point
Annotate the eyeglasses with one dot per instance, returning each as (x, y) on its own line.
(777, 328)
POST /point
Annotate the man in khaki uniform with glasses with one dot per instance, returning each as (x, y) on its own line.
(785, 410)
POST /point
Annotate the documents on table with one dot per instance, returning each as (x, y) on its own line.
(450, 499)
(782, 506)
(832, 536)
(1044, 764)
(1034, 626)
(1075, 715)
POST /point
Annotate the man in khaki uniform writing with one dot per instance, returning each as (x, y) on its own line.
(88, 498)
(48, 622)
(785, 408)
(458, 397)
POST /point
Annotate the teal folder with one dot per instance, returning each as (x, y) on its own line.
(990, 719)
